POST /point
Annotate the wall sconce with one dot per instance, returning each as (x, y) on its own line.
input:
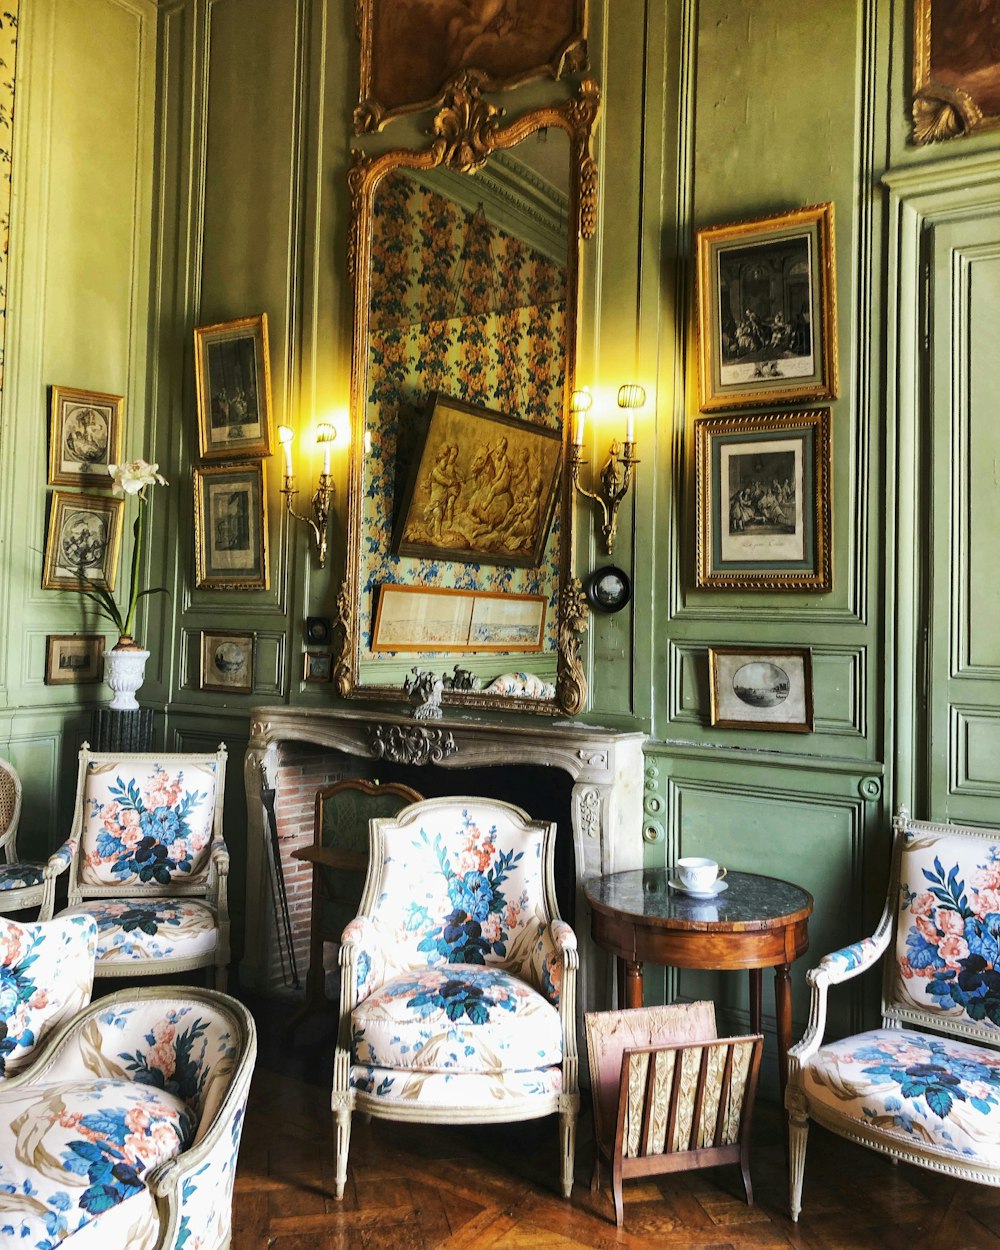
(321, 500)
(616, 476)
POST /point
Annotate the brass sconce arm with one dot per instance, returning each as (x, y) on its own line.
(616, 478)
(321, 502)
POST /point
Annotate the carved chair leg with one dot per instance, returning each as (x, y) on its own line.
(567, 1140)
(616, 1188)
(221, 977)
(342, 1145)
(798, 1133)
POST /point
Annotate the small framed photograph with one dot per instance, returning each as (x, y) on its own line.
(227, 661)
(74, 659)
(230, 522)
(763, 498)
(761, 688)
(317, 666)
(233, 373)
(85, 436)
(84, 540)
(767, 310)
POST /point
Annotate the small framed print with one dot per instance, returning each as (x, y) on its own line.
(317, 666)
(233, 374)
(227, 661)
(608, 589)
(84, 539)
(761, 688)
(230, 522)
(763, 497)
(74, 659)
(85, 436)
(767, 310)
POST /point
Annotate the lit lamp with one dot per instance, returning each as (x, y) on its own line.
(321, 500)
(616, 476)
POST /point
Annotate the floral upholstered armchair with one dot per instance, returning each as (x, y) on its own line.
(147, 860)
(458, 979)
(926, 1086)
(22, 883)
(125, 1129)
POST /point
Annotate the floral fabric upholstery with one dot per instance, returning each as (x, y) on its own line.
(948, 934)
(18, 876)
(158, 928)
(460, 1018)
(922, 1090)
(46, 976)
(443, 1089)
(145, 825)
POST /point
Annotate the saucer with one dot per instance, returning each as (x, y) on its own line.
(715, 888)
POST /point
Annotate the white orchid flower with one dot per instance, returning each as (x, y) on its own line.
(132, 476)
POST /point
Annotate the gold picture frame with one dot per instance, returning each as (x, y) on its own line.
(84, 542)
(233, 376)
(317, 666)
(764, 503)
(230, 523)
(74, 659)
(85, 436)
(412, 50)
(227, 661)
(956, 69)
(761, 688)
(767, 310)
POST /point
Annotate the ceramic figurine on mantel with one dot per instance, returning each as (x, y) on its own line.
(125, 663)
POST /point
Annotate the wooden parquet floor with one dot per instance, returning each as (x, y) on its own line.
(418, 1187)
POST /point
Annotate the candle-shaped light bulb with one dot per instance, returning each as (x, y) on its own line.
(285, 436)
(326, 432)
(579, 406)
(630, 397)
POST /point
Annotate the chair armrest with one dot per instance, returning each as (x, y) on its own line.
(220, 857)
(330, 857)
(57, 863)
(553, 952)
(365, 958)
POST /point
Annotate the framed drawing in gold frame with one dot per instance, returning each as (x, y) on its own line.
(85, 436)
(433, 618)
(767, 310)
(227, 661)
(764, 501)
(956, 68)
(411, 50)
(74, 659)
(233, 377)
(230, 525)
(84, 541)
(761, 688)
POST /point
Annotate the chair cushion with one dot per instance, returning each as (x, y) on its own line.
(457, 1018)
(150, 928)
(17, 876)
(70, 1151)
(144, 824)
(922, 1090)
(490, 1091)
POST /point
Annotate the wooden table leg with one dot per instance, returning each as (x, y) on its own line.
(783, 1020)
(620, 980)
(633, 984)
(756, 1000)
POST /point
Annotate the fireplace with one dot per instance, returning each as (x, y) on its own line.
(589, 780)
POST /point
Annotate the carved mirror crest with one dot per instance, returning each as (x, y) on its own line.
(465, 261)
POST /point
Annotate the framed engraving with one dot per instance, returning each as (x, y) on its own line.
(85, 436)
(74, 659)
(84, 541)
(761, 688)
(233, 373)
(230, 521)
(432, 618)
(317, 666)
(227, 661)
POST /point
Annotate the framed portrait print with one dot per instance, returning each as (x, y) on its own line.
(227, 661)
(317, 666)
(233, 375)
(956, 68)
(230, 522)
(85, 436)
(412, 49)
(767, 310)
(482, 488)
(74, 659)
(761, 688)
(84, 540)
(763, 498)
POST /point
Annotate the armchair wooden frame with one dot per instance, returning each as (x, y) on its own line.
(14, 897)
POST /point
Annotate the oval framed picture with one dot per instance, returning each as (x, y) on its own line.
(608, 589)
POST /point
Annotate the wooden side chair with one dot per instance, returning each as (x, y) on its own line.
(22, 884)
(669, 1094)
(339, 858)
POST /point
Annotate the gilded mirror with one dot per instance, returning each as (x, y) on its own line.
(465, 261)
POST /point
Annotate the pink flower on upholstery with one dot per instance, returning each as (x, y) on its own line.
(163, 1058)
(491, 928)
(109, 816)
(137, 1119)
(511, 915)
(905, 970)
(986, 877)
(987, 901)
(11, 947)
(178, 850)
(69, 1119)
(952, 948)
(928, 930)
(950, 921)
(40, 998)
(922, 905)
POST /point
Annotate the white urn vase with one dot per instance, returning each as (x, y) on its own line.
(125, 671)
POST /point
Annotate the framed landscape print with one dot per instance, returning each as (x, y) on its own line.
(482, 489)
(233, 375)
(84, 540)
(317, 666)
(956, 68)
(412, 49)
(227, 661)
(432, 618)
(85, 436)
(767, 310)
(230, 522)
(74, 659)
(761, 688)
(763, 499)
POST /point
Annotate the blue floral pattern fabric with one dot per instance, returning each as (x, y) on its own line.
(146, 826)
(18, 876)
(144, 928)
(922, 1089)
(948, 937)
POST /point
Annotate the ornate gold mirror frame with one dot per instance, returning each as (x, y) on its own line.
(466, 132)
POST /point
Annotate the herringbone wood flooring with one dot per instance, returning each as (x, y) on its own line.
(416, 1187)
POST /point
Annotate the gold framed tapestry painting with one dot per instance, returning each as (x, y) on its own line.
(233, 376)
(412, 49)
(85, 534)
(482, 488)
(85, 436)
(767, 310)
(956, 68)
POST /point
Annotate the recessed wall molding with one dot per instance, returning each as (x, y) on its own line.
(974, 750)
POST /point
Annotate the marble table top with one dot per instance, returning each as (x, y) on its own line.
(750, 902)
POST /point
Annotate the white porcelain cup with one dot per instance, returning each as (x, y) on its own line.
(697, 873)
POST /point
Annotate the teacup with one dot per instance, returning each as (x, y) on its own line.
(697, 873)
